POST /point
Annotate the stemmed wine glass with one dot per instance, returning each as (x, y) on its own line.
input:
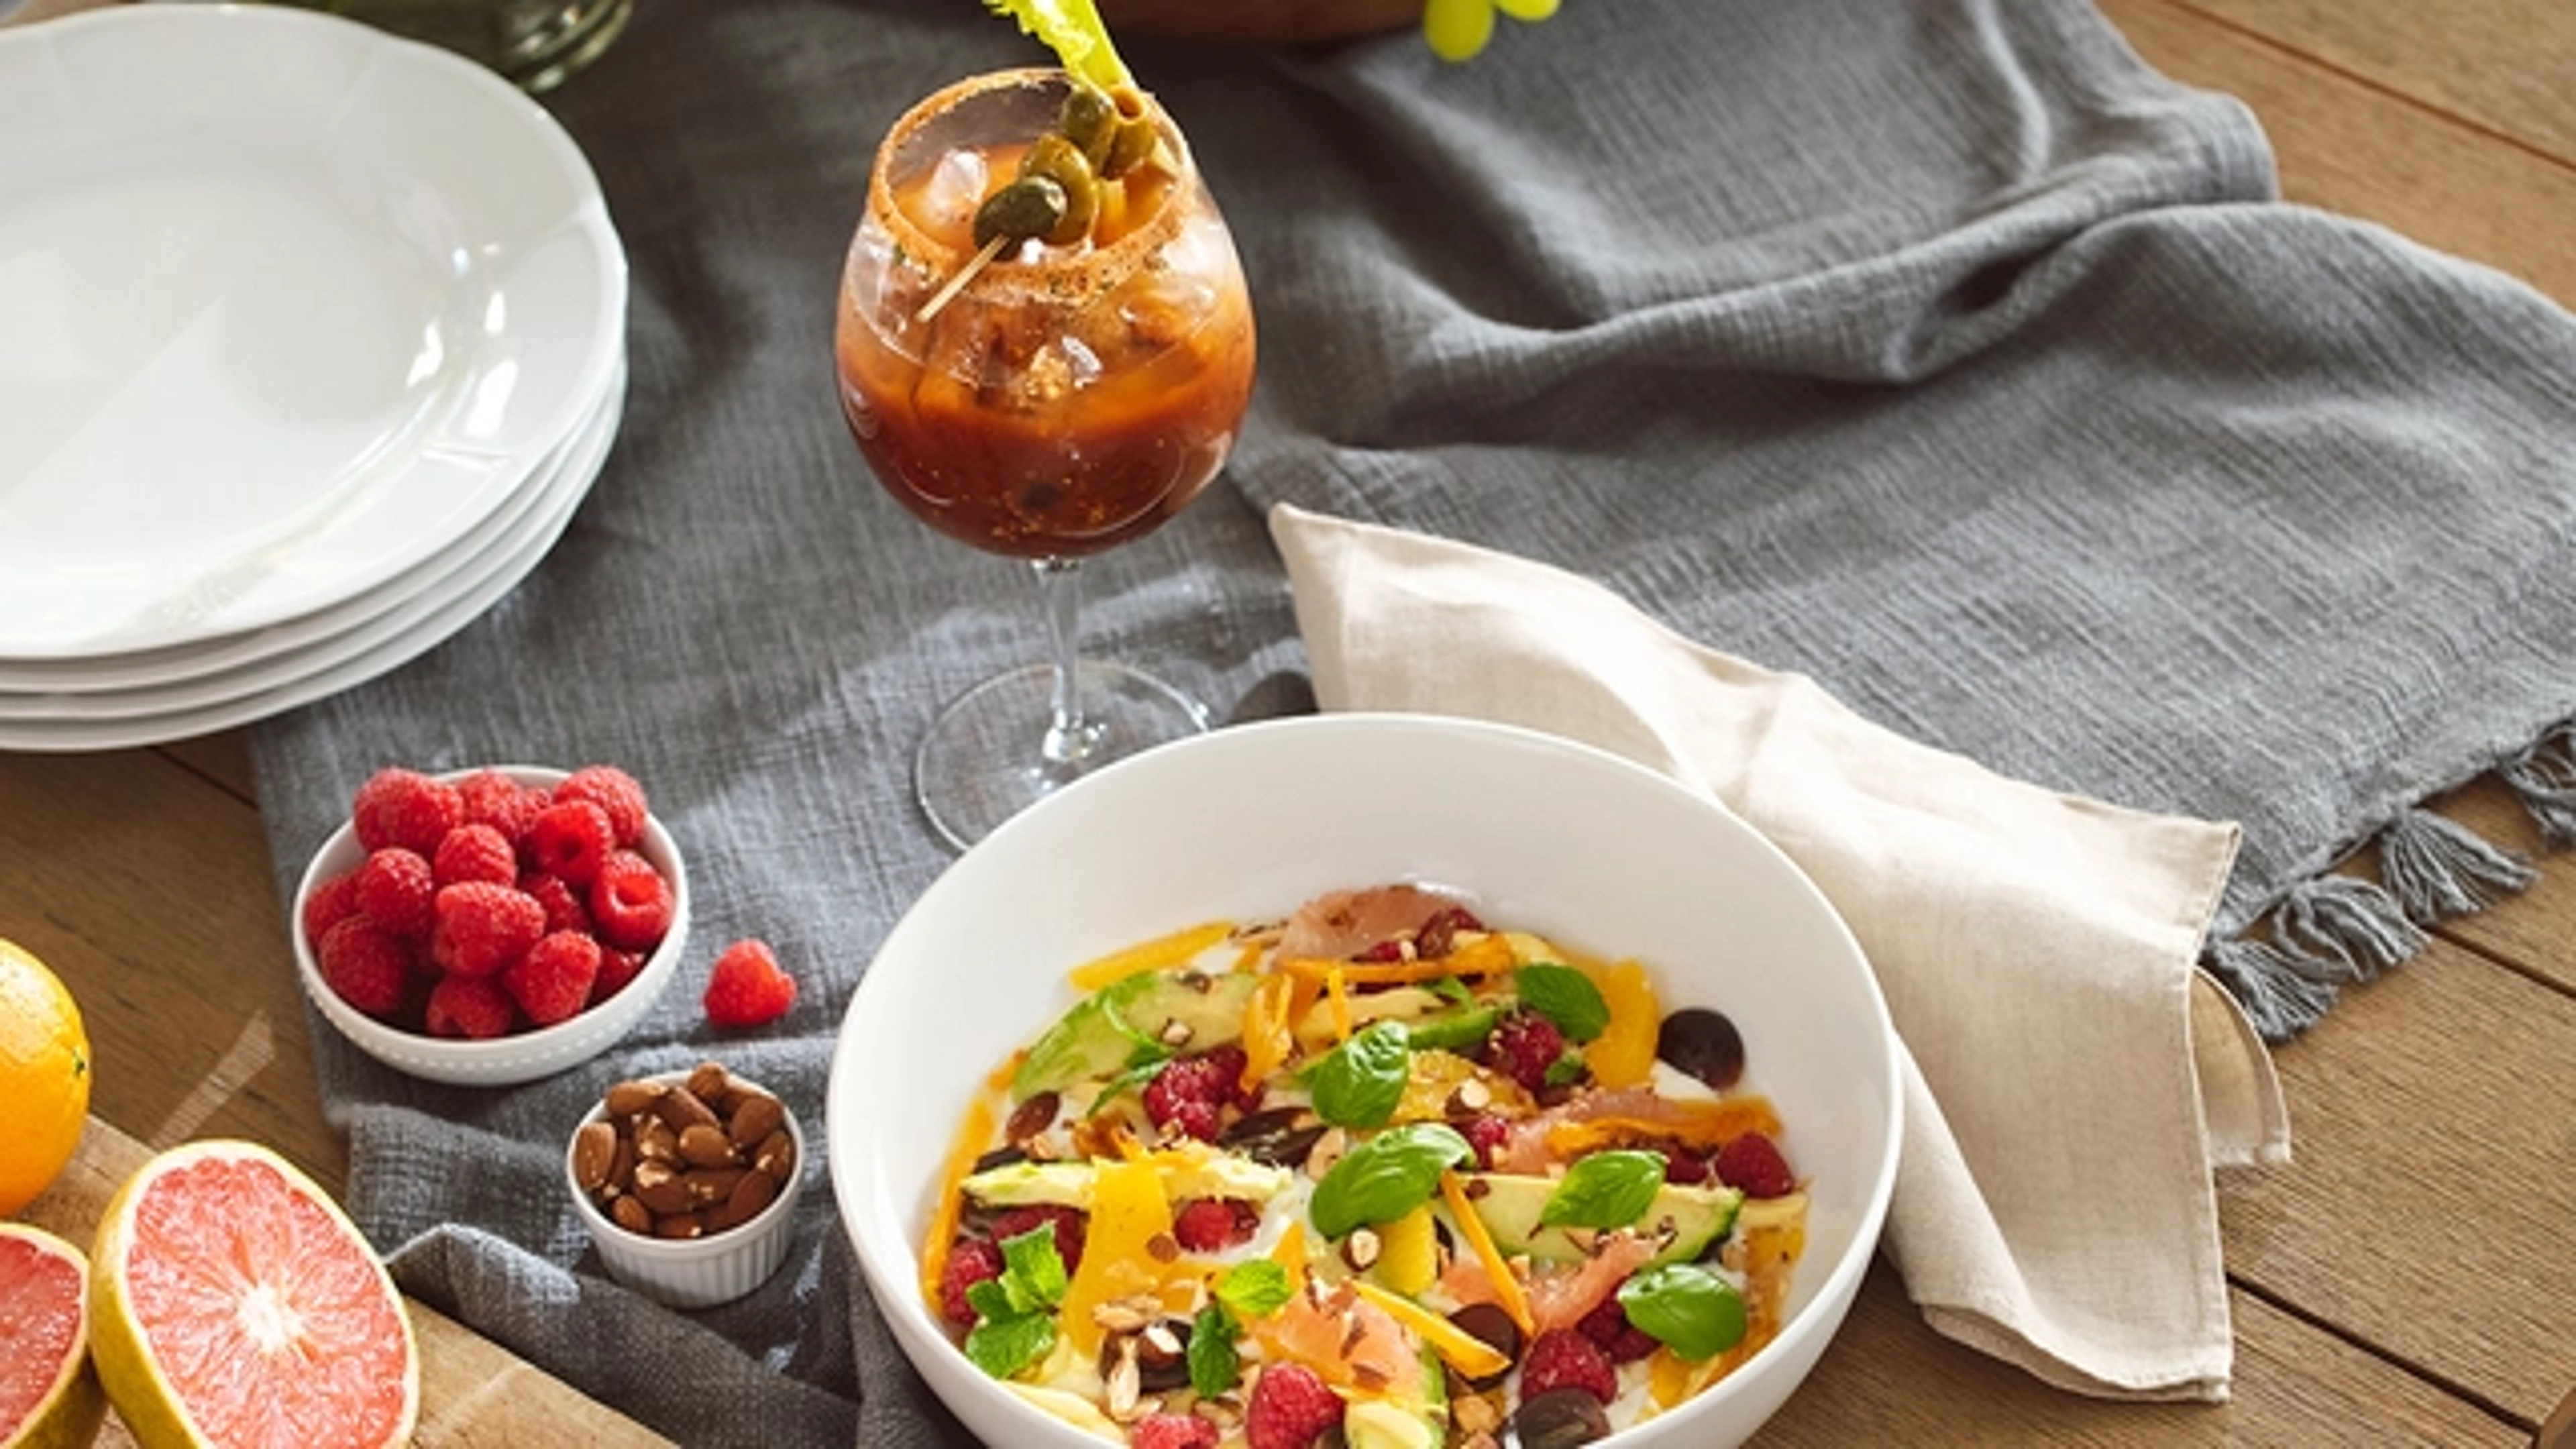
(1044, 346)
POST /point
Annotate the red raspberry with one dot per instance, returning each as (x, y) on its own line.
(1186, 1093)
(970, 1261)
(472, 1007)
(1609, 1327)
(747, 986)
(572, 839)
(552, 982)
(365, 965)
(475, 852)
(613, 791)
(1488, 1134)
(328, 904)
(1563, 1358)
(1525, 1046)
(393, 890)
(565, 909)
(1072, 1229)
(1226, 1063)
(1173, 1431)
(1212, 1225)
(630, 903)
(482, 927)
(405, 808)
(1290, 1409)
(616, 968)
(1684, 1166)
(494, 799)
(1752, 1162)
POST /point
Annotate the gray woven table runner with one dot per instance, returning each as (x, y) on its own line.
(1939, 351)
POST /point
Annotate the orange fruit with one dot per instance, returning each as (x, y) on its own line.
(44, 1076)
(49, 1398)
(232, 1302)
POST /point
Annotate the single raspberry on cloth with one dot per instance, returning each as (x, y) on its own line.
(552, 981)
(1563, 1358)
(481, 927)
(571, 839)
(471, 1007)
(748, 987)
(1752, 1163)
(630, 904)
(615, 792)
(366, 965)
(405, 808)
(1290, 1409)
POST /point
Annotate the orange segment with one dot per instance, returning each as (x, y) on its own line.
(1128, 1211)
(1624, 1054)
(1160, 954)
(234, 1303)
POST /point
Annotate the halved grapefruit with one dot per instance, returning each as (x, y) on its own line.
(235, 1304)
(49, 1398)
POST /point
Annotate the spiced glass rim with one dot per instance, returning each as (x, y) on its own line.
(1061, 272)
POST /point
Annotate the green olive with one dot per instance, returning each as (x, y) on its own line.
(1089, 120)
(1031, 206)
(1133, 138)
(1058, 160)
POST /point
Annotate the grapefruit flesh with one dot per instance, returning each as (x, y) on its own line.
(49, 1398)
(236, 1305)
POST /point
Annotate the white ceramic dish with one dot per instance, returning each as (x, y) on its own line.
(55, 722)
(286, 306)
(1247, 823)
(694, 1272)
(507, 1060)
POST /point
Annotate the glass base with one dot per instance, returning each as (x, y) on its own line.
(992, 752)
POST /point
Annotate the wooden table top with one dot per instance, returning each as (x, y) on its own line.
(2410, 1278)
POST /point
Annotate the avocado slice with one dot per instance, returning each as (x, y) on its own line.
(1458, 1029)
(1511, 1203)
(1130, 1020)
(1419, 1420)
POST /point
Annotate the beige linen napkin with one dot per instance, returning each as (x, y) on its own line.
(2072, 1076)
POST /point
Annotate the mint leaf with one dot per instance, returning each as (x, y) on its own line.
(1689, 1309)
(1215, 1366)
(1359, 1083)
(1605, 1190)
(991, 1298)
(1254, 1288)
(1564, 996)
(1006, 1347)
(1032, 1270)
(1385, 1177)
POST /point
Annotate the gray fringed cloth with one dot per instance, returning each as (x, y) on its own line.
(1938, 351)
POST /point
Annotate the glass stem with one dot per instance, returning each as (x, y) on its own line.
(1070, 737)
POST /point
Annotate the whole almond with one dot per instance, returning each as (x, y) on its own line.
(684, 1109)
(661, 1188)
(626, 1099)
(678, 1225)
(776, 1155)
(632, 1215)
(754, 1192)
(655, 1141)
(711, 1184)
(709, 1081)
(705, 1145)
(594, 1152)
(753, 1121)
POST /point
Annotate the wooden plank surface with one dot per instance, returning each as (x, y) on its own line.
(473, 1394)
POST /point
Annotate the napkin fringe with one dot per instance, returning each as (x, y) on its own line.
(2337, 928)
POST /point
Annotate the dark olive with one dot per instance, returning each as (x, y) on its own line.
(999, 1157)
(1029, 207)
(1490, 1324)
(1559, 1419)
(1060, 161)
(1089, 120)
(1702, 1043)
(1278, 1136)
(1163, 1356)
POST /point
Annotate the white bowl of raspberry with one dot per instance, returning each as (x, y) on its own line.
(493, 925)
(1542, 1100)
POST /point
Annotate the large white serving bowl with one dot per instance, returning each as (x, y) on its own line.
(1248, 822)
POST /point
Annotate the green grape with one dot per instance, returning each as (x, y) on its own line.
(1457, 29)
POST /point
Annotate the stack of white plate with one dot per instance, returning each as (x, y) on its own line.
(311, 342)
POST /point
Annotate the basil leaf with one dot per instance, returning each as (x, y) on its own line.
(1254, 1288)
(1215, 1366)
(1385, 1177)
(1006, 1347)
(1359, 1083)
(1032, 1270)
(1564, 996)
(1689, 1309)
(1605, 1190)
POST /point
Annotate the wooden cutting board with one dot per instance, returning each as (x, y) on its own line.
(473, 1392)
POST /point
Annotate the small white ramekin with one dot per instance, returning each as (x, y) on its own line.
(693, 1272)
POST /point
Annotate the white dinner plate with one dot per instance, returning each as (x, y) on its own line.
(335, 666)
(287, 305)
